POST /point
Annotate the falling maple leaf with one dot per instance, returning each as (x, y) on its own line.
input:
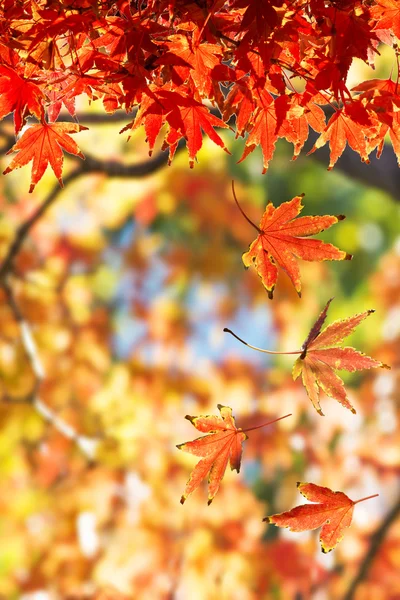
(333, 512)
(281, 238)
(222, 444)
(320, 357)
(43, 143)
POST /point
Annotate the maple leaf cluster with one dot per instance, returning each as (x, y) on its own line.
(185, 68)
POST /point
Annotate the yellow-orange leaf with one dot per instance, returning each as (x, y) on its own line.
(222, 444)
(320, 357)
(333, 512)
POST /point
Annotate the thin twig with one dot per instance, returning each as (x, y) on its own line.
(376, 542)
(88, 446)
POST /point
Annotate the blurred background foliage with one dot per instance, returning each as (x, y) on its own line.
(127, 285)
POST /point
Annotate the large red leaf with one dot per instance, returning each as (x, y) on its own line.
(19, 95)
(387, 15)
(333, 512)
(44, 144)
(188, 57)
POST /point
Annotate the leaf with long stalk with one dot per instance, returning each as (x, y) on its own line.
(320, 356)
(282, 238)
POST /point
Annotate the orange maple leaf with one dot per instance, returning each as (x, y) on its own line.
(264, 131)
(333, 512)
(189, 56)
(223, 444)
(345, 126)
(43, 143)
(189, 118)
(320, 356)
(387, 14)
(281, 238)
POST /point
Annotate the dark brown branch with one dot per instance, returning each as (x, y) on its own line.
(375, 543)
(383, 173)
(113, 168)
(88, 118)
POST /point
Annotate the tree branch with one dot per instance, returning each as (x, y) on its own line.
(88, 446)
(24, 229)
(383, 173)
(89, 165)
(113, 168)
(376, 541)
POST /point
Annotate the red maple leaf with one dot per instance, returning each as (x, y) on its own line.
(264, 129)
(43, 143)
(333, 512)
(239, 102)
(281, 238)
(223, 444)
(19, 95)
(185, 117)
(189, 118)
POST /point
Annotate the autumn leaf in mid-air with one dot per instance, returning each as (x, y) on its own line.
(44, 143)
(223, 444)
(333, 512)
(320, 357)
(282, 238)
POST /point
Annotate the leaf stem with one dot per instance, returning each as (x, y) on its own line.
(265, 424)
(259, 349)
(366, 498)
(242, 211)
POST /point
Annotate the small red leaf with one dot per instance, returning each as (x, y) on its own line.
(19, 95)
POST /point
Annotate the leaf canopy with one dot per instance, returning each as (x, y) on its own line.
(276, 66)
